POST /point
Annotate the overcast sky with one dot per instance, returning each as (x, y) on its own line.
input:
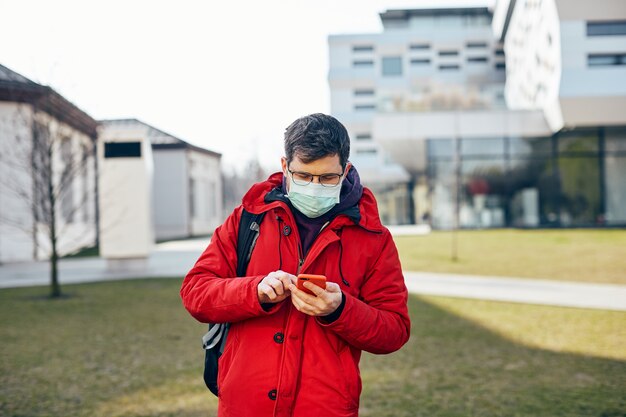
(227, 75)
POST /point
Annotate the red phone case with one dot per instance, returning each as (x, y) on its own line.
(319, 280)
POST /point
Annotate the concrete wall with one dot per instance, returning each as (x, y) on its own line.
(125, 196)
(20, 238)
(205, 174)
(16, 219)
(170, 197)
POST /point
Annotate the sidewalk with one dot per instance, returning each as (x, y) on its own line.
(174, 259)
(519, 290)
(169, 259)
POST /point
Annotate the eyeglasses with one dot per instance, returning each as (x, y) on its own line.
(304, 178)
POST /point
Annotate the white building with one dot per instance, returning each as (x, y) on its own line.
(40, 133)
(187, 182)
(430, 91)
(567, 58)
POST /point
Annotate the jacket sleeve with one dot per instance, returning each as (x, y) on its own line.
(378, 321)
(211, 292)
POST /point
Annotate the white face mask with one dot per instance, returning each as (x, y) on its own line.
(313, 199)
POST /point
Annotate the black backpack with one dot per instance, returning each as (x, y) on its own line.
(214, 340)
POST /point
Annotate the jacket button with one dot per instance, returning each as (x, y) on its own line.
(287, 230)
(272, 395)
(279, 337)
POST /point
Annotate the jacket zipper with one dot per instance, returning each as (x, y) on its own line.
(302, 257)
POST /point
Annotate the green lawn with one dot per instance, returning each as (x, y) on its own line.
(569, 255)
(129, 349)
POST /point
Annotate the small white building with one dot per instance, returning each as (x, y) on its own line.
(40, 133)
(186, 186)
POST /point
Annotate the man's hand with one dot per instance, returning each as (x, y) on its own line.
(323, 303)
(274, 288)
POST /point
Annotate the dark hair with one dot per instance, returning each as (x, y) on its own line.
(315, 136)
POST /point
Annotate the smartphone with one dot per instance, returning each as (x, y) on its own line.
(319, 280)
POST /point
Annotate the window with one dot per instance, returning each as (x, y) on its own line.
(499, 52)
(363, 63)
(420, 61)
(362, 48)
(440, 148)
(610, 28)
(578, 142)
(365, 107)
(616, 141)
(500, 66)
(392, 65)
(363, 136)
(482, 147)
(477, 59)
(419, 46)
(368, 152)
(603, 60)
(363, 92)
(448, 53)
(448, 67)
(122, 150)
(476, 44)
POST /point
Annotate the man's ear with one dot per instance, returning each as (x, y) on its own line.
(348, 166)
(283, 163)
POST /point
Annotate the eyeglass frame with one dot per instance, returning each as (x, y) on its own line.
(319, 176)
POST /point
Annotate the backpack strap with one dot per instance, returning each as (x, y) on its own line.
(214, 341)
(246, 239)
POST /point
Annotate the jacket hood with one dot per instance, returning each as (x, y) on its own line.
(265, 195)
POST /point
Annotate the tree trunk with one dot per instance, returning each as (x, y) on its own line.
(55, 288)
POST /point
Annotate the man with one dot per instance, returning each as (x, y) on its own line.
(289, 353)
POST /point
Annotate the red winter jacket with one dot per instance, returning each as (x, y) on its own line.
(282, 362)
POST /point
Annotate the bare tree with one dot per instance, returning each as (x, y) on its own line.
(237, 184)
(53, 159)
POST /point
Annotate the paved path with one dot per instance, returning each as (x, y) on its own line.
(521, 290)
(169, 259)
(176, 258)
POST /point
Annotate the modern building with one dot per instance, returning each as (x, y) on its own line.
(186, 185)
(567, 58)
(490, 128)
(47, 153)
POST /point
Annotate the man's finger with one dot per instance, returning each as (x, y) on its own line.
(282, 274)
(277, 285)
(307, 298)
(333, 287)
(314, 288)
(286, 281)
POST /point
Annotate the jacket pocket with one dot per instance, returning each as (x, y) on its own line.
(351, 377)
(224, 362)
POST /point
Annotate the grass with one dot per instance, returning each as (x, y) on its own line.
(569, 255)
(86, 252)
(129, 349)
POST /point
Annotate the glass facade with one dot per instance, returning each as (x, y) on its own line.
(573, 178)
